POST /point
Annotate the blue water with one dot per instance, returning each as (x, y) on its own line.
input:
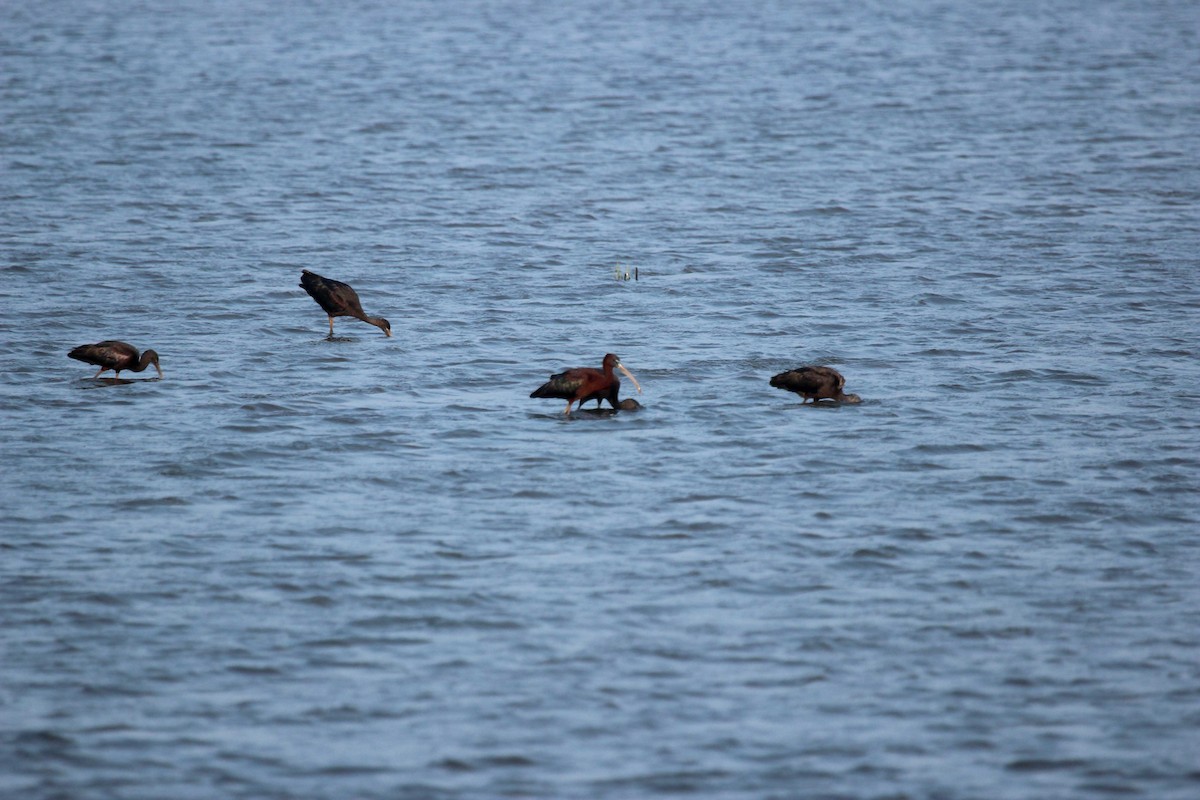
(373, 567)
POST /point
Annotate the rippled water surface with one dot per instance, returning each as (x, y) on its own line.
(375, 568)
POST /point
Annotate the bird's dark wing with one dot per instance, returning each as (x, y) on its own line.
(809, 380)
(564, 385)
(335, 297)
(829, 378)
(795, 380)
(105, 354)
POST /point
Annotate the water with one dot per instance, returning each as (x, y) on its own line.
(374, 568)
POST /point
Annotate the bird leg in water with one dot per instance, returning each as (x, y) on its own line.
(331, 327)
(569, 403)
(97, 375)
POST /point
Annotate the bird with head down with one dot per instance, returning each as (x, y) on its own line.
(815, 383)
(339, 300)
(116, 356)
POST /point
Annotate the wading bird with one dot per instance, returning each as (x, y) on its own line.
(115, 356)
(815, 383)
(339, 300)
(585, 383)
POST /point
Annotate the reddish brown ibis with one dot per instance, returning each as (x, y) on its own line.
(339, 300)
(815, 383)
(116, 356)
(585, 383)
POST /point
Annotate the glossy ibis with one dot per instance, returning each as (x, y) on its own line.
(815, 383)
(116, 356)
(585, 383)
(339, 300)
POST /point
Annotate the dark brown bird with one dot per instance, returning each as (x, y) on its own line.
(339, 300)
(815, 383)
(585, 383)
(116, 356)
(628, 404)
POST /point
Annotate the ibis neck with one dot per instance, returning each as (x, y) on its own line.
(378, 322)
(149, 357)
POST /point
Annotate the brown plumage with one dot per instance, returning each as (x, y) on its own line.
(116, 356)
(339, 300)
(815, 383)
(586, 383)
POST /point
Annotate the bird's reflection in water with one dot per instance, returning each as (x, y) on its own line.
(104, 383)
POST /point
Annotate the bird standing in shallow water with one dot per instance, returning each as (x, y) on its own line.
(586, 383)
(339, 300)
(815, 383)
(116, 356)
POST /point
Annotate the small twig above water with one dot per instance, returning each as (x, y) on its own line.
(623, 274)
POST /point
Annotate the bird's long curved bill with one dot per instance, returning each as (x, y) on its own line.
(629, 375)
